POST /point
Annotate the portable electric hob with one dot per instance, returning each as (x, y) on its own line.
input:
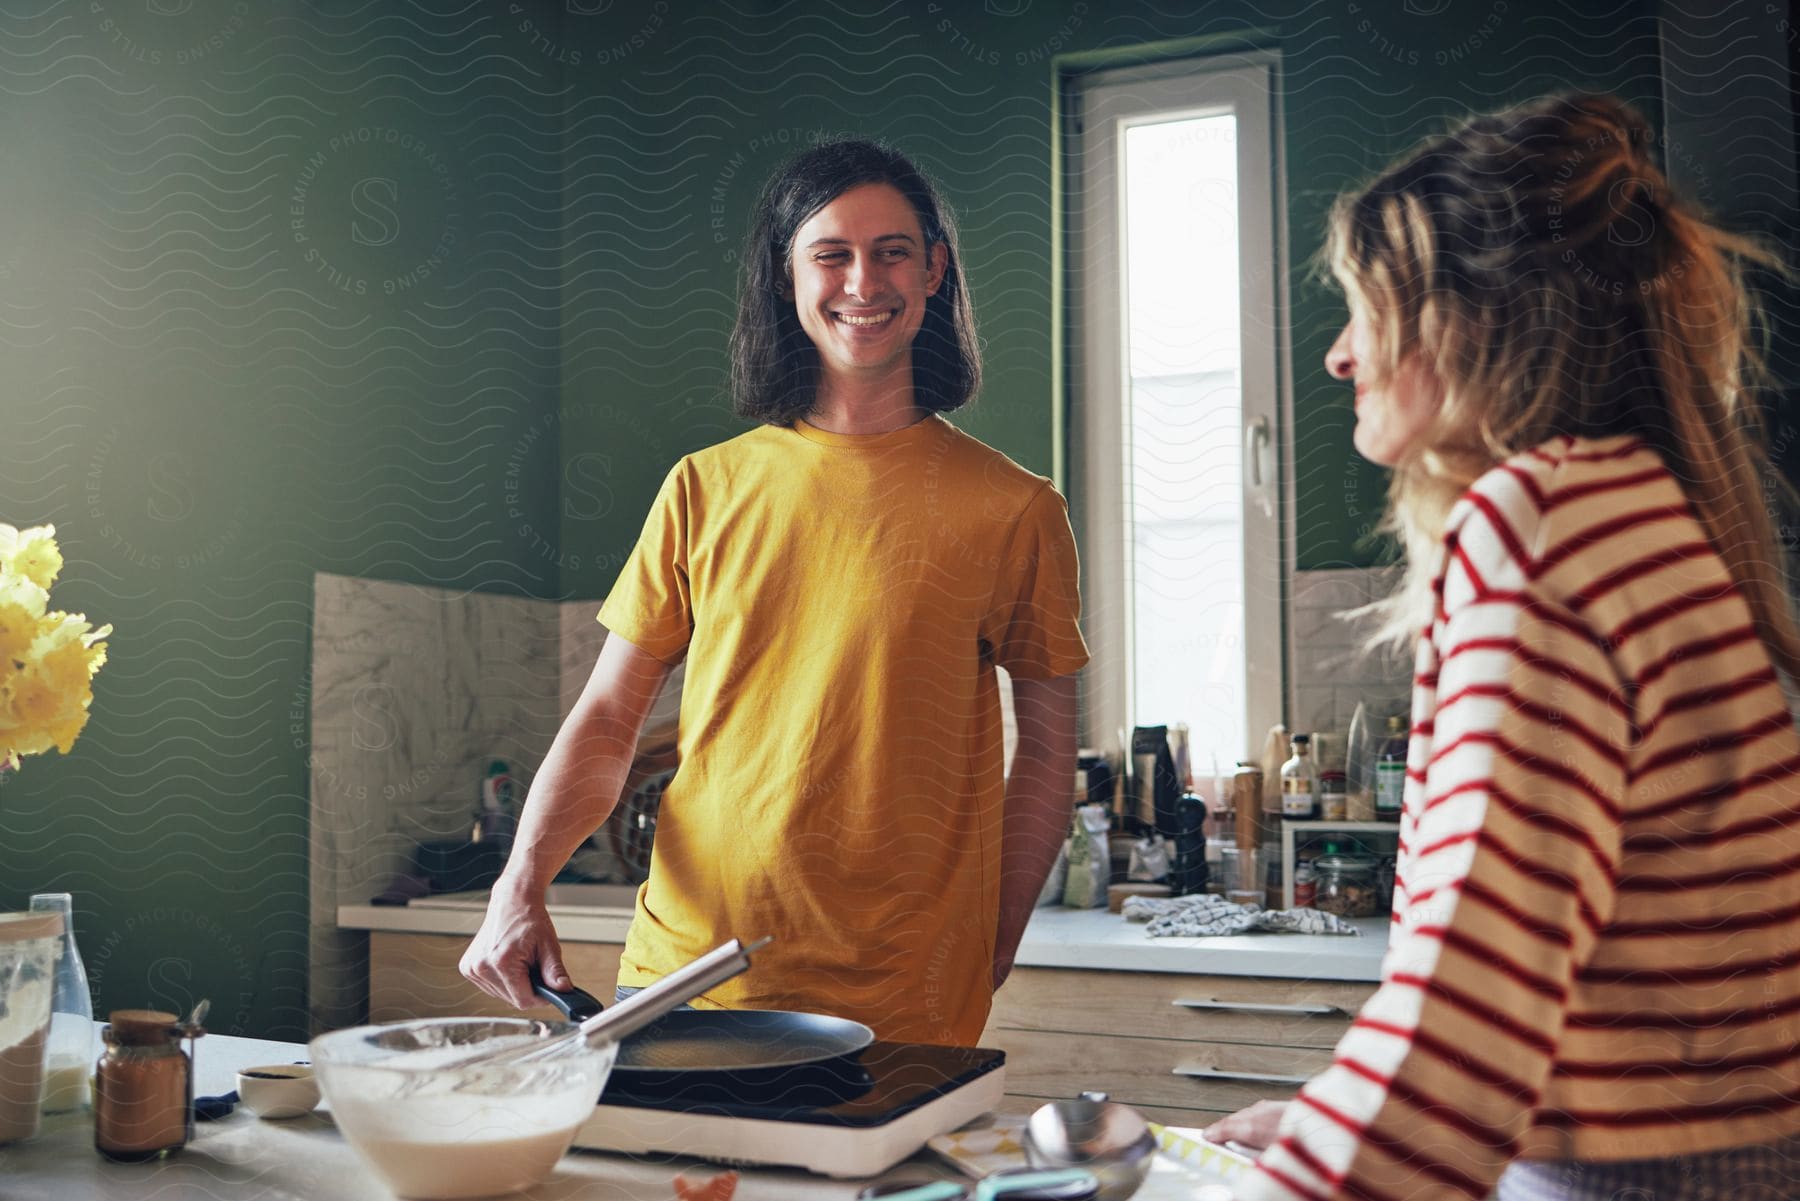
(851, 1116)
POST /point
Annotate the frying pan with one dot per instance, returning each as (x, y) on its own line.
(721, 1040)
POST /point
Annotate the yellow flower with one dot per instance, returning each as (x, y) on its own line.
(36, 557)
(47, 659)
(17, 629)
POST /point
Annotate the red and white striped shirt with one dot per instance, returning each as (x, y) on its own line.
(1596, 948)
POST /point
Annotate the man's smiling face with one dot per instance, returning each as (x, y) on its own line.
(861, 276)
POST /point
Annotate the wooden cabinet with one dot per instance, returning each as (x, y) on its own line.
(415, 976)
(1183, 1049)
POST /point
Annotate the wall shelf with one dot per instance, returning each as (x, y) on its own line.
(1293, 830)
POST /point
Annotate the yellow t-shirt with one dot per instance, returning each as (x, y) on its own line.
(842, 601)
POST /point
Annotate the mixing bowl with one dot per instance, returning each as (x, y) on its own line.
(433, 1132)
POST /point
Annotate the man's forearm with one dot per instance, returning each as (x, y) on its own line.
(1038, 805)
(573, 793)
(1039, 797)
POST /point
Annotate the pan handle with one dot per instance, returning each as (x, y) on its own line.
(576, 1005)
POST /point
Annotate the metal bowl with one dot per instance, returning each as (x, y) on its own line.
(1108, 1139)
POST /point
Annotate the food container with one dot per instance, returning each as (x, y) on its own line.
(143, 1086)
(1347, 886)
(1231, 869)
(29, 945)
(431, 1131)
(276, 1091)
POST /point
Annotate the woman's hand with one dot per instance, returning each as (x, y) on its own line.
(515, 936)
(1254, 1127)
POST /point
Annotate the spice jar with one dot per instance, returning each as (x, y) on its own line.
(1306, 890)
(1347, 886)
(1334, 799)
(143, 1087)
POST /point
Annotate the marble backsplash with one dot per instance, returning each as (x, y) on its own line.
(1329, 672)
(414, 691)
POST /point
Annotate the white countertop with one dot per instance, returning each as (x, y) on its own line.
(241, 1158)
(1071, 938)
(1094, 938)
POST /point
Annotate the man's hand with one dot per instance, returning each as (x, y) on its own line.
(515, 936)
(1255, 1127)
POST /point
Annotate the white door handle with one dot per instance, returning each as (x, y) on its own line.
(1256, 445)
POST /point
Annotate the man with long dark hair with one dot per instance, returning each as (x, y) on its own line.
(842, 581)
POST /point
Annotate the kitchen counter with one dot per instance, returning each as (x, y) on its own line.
(1066, 938)
(1096, 939)
(242, 1158)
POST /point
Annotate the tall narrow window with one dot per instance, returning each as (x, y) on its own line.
(1173, 291)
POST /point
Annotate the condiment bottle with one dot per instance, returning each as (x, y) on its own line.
(143, 1087)
(1305, 886)
(1334, 800)
(1390, 772)
(1246, 799)
(1299, 786)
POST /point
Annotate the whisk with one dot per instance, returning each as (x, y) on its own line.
(632, 1014)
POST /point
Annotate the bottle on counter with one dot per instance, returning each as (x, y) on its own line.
(1390, 772)
(1299, 783)
(1190, 872)
(1360, 751)
(1305, 886)
(1334, 798)
(71, 1050)
(496, 816)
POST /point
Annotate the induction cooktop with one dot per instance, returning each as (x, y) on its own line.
(850, 1116)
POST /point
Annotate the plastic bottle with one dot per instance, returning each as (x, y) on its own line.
(1299, 783)
(1359, 767)
(1390, 772)
(497, 818)
(70, 1054)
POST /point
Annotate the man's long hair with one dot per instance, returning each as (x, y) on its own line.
(774, 365)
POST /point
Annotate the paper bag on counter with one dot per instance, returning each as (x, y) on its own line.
(1090, 863)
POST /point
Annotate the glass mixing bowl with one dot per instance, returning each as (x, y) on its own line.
(435, 1132)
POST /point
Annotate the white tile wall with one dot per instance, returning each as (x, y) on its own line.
(1328, 671)
(413, 690)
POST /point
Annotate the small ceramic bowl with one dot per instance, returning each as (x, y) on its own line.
(278, 1090)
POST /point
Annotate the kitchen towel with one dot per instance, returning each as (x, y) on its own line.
(1205, 914)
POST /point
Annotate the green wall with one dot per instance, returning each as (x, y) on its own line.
(242, 344)
(244, 341)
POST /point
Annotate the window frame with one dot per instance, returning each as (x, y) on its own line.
(1098, 105)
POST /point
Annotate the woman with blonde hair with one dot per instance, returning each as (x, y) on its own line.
(1592, 988)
